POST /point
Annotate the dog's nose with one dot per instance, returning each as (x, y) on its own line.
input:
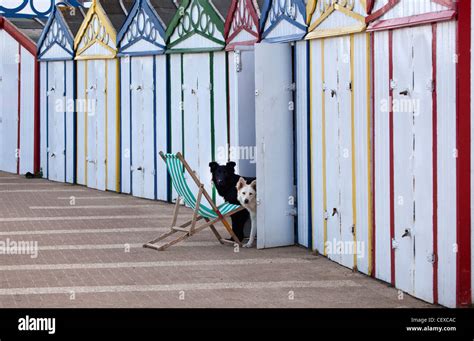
(246, 201)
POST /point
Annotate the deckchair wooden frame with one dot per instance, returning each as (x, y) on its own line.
(189, 228)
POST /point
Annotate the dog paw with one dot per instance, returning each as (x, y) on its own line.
(248, 245)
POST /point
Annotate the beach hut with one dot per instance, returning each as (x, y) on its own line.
(98, 95)
(19, 95)
(242, 31)
(281, 85)
(422, 156)
(57, 93)
(340, 136)
(141, 43)
(198, 85)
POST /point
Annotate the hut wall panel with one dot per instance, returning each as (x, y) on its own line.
(161, 125)
(113, 140)
(317, 143)
(381, 157)
(27, 112)
(43, 108)
(362, 145)
(446, 147)
(177, 106)
(125, 116)
(82, 105)
(70, 121)
(9, 104)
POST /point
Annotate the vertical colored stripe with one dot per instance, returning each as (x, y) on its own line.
(18, 138)
(130, 117)
(36, 123)
(353, 147)
(227, 80)
(47, 120)
(183, 149)
(106, 124)
(295, 140)
(74, 122)
(168, 124)
(154, 132)
(323, 146)
(435, 165)
(118, 128)
(213, 134)
(86, 114)
(369, 156)
(65, 122)
(309, 143)
(463, 160)
(392, 183)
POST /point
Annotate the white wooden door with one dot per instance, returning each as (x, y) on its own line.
(56, 143)
(148, 145)
(92, 118)
(138, 127)
(344, 94)
(274, 136)
(413, 159)
(332, 150)
(423, 161)
(102, 117)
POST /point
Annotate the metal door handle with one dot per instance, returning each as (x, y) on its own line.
(333, 92)
(407, 233)
(334, 211)
(404, 93)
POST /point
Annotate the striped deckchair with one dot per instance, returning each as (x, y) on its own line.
(212, 215)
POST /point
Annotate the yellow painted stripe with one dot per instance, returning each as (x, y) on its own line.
(354, 183)
(310, 85)
(323, 144)
(117, 126)
(86, 114)
(369, 154)
(106, 124)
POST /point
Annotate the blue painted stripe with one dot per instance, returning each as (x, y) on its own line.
(74, 123)
(308, 137)
(47, 120)
(154, 128)
(168, 124)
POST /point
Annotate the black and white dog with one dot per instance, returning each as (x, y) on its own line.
(225, 180)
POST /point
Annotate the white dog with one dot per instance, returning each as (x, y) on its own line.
(246, 194)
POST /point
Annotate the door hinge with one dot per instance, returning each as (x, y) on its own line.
(394, 244)
(292, 212)
(353, 227)
(291, 87)
(431, 258)
(393, 84)
(430, 85)
(325, 215)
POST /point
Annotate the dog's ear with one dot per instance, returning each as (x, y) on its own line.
(213, 165)
(241, 183)
(254, 184)
(230, 166)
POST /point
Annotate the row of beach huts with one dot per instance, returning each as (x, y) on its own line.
(355, 115)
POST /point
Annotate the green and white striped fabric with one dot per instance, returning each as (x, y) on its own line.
(176, 170)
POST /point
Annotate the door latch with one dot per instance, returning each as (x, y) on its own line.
(334, 212)
(333, 93)
(407, 233)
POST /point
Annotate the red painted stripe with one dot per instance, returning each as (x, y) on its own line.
(18, 150)
(392, 191)
(377, 14)
(414, 20)
(435, 165)
(372, 56)
(26, 42)
(463, 164)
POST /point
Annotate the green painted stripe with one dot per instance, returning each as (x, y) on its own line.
(213, 132)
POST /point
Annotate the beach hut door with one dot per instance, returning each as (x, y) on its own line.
(412, 88)
(274, 139)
